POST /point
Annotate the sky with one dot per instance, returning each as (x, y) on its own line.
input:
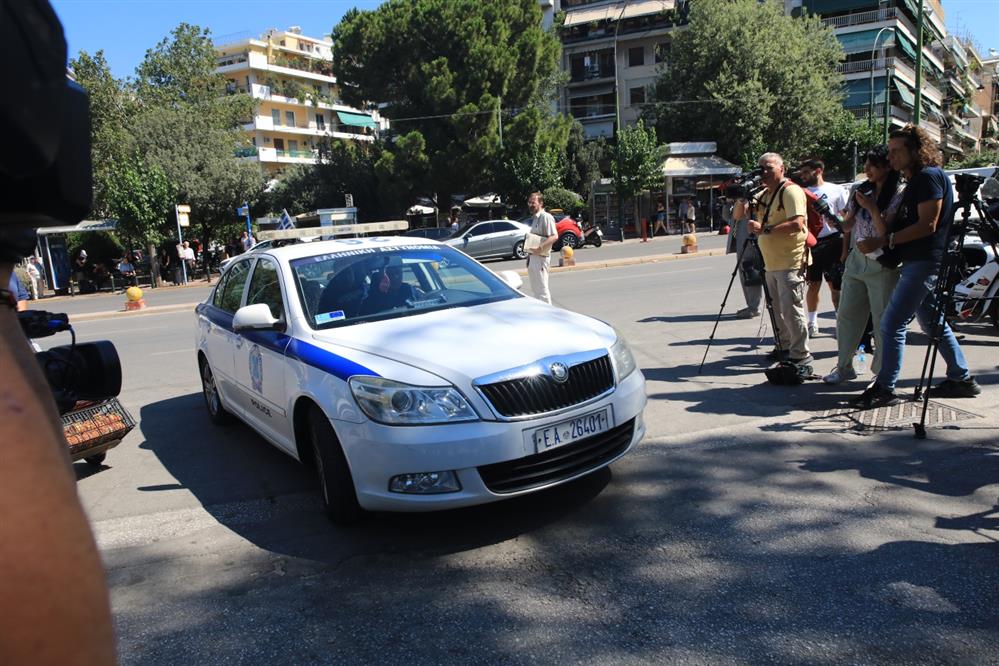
(125, 29)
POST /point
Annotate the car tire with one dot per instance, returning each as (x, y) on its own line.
(518, 250)
(213, 400)
(568, 239)
(96, 459)
(336, 486)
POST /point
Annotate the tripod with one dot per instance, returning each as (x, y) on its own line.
(943, 296)
(750, 241)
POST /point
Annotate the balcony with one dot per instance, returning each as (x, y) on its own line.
(592, 111)
(860, 18)
(287, 156)
(900, 67)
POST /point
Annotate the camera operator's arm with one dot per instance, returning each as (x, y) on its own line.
(55, 601)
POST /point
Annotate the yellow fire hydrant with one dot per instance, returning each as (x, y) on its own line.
(689, 244)
(566, 259)
(133, 299)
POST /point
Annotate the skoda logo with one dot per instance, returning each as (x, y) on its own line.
(560, 373)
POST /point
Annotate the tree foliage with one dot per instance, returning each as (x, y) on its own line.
(972, 160)
(141, 197)
(638, 167)
(445, 68)
(749, 77)
(567, 200)
(111, 107)
(585, 160)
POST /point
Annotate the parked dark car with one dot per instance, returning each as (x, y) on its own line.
(433, 233)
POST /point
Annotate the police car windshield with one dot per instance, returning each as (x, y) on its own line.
(371, 283)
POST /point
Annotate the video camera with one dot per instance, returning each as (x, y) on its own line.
(746, 185)
(46, 180)
(967, 185)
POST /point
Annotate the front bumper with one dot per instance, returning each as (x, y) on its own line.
(378, 452)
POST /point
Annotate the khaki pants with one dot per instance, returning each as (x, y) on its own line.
(867, 288)
(787, 294)
(537, 274)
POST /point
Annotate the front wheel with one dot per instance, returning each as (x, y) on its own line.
(336, 485)
(597, 240)
(568, 239)
(213, 401)
(518, 250)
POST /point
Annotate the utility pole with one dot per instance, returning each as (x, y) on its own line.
(917, 112)
(617, 120)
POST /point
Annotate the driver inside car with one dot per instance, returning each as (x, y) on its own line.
(387, 290)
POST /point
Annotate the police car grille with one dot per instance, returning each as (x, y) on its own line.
(557, 464)
(541, 393)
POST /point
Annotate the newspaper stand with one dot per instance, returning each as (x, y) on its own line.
(92, 429)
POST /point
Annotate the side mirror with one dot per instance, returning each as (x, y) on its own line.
(256, 317)
(512, 279)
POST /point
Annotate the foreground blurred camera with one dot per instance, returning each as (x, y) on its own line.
(86, 371)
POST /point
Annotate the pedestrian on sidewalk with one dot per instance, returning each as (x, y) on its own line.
(919, 236)
(829, 248)
(867, 283)
(782, 232)
(660, 219)
(539, 258)
(748, 260)
(34, 278)
(690, 217)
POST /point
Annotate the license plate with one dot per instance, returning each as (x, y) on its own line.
(572, 430)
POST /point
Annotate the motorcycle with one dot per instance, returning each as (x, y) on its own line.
(593, 235)
(975, 295)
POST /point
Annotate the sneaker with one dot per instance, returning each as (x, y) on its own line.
(876, 396)
(956, 388)
(840, 375)
(747, 313)
(806, 359)
(813, 330)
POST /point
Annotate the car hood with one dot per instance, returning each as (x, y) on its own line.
(462, 344)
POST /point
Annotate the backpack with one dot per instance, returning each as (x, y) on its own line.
(813, 220)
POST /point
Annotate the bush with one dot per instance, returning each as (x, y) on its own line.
(102, 247)
(559, 197)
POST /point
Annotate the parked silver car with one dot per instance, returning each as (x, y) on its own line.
(491, 239)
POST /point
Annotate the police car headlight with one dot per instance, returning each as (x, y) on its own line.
(624, 362)
(395, 403)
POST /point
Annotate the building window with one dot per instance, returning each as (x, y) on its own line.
(636, 96)
(289, 118)
(636, 56)
(278, 144)
(320, 122)
(275, 117)
(292, 146)
(662, 52)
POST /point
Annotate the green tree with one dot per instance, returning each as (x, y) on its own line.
(188, 127)
(835, 146)
(141, 197)
(749, 77)
(638, 166)
(972, 160)
(566, 200)
(585, 160)
(445, 68)
(111, 109)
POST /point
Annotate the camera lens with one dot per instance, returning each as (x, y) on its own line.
(87, 371)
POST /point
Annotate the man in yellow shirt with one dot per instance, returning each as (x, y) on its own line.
(779, 223)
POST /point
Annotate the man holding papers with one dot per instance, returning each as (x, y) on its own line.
(539, 246)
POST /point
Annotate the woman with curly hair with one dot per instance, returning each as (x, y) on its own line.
(918, 237)
(867, 283)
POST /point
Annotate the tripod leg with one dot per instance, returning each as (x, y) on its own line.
(720, 311)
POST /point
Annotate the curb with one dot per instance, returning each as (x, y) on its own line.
(589, 265)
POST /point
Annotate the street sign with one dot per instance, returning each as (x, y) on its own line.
(183, 215)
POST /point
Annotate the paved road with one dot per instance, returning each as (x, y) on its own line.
(752, 525)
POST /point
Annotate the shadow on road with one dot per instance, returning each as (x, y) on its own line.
(222, 466)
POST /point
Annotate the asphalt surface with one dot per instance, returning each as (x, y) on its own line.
(754, 524)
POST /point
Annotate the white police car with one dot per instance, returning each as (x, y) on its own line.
(411, 377)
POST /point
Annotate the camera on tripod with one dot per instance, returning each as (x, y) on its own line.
(967, 185)
(746, 185)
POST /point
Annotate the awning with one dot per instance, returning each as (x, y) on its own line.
(903, 91)
(611, 12)
(906, 45)
(704, 165)
(834, 6)
(86, 225)
(356, 119)
(862, 41)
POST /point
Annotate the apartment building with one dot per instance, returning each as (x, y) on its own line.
(610, 50)
(297, 101)
(987, 99)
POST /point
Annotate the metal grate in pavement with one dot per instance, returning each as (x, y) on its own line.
(893, 417)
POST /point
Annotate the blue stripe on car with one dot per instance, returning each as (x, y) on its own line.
(310, 354)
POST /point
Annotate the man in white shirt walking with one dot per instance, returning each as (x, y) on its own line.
(538, 259)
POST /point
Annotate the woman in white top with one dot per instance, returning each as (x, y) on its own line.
(868, 279)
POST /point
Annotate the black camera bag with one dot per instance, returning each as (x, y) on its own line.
(786, 373)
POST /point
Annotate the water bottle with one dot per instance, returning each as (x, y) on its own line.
(860, 360)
